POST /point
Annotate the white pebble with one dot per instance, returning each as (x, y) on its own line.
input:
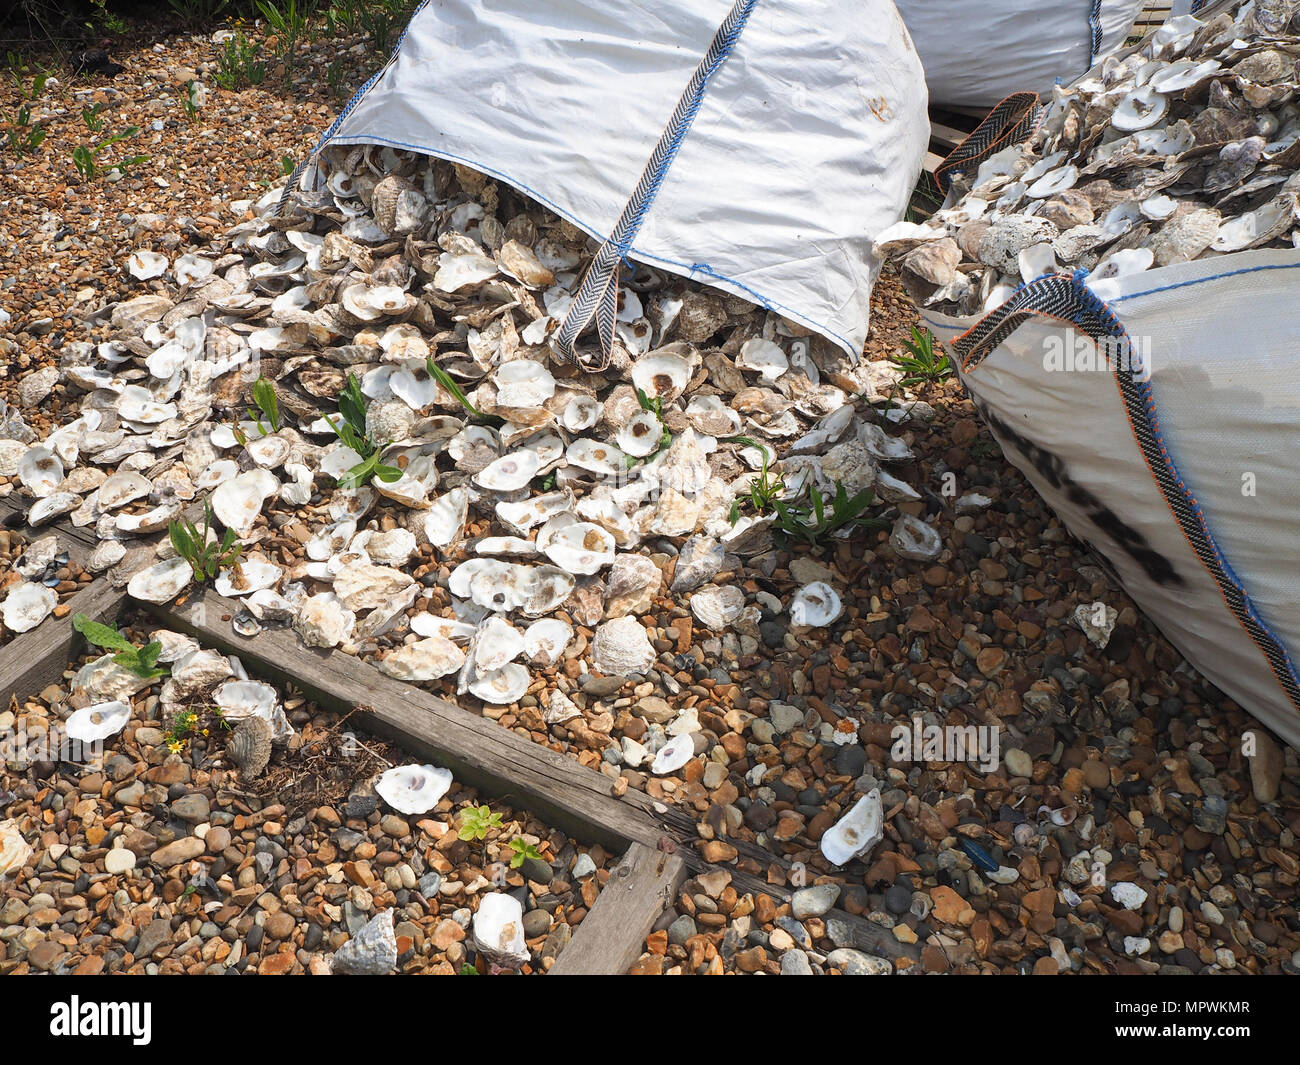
(119, 860)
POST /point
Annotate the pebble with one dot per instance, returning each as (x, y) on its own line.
(814, 901)
(856, 963)
(1018, 763)
(795, 963)
(119, 860)
(182, 850)
(192, 808)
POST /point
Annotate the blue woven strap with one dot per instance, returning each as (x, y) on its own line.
(597, 296)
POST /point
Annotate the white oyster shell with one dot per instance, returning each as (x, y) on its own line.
(413, 789)
(94, 723)
(27, 605)
(854, 834)
(499, 930)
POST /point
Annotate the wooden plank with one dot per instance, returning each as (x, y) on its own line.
(77, 542)
(612, 935)
(948, 136)
(483, 753)
(38, 658)
(478, 750)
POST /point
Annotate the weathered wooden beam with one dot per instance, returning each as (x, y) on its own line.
(477, 749)
(612, 936)
(77, 542)
(32, 660)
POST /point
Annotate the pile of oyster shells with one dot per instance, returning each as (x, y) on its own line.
(1186, 148)
(395, 258)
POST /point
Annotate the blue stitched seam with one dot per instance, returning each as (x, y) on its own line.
(1208, 277)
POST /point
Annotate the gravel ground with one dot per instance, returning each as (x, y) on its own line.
(157, 859)
(1114, 766)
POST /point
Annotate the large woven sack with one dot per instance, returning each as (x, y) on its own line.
(1175, 455)
(975, 54)
(754, 146)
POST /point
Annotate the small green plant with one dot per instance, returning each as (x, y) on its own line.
(927, 198)
(287, 21)
(336, 78)
(268, 406)
(112, 23)
(90, 116)
(190, 101)
(286, 165)
(765, 491)
(222, 721)
(205, 554)
(810, 522)
(921, 364)
(23, 137)
(194, 12)
(86, 159)
(343, 17)
(476, 821)
(352, 431)
(458, 394)
(523, 851)
(38, 83)
(142, 661)
(383, 21)
(184, 725)
(468, 970)
(237, 64)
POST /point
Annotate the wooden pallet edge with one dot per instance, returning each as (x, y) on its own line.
(612, 936)
(480, 752)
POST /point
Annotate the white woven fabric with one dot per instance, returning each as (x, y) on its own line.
(1219, 336)
(808, 140)
(977, 53)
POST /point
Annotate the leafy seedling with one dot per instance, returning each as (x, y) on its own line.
(142, 661)
(764, 490)
(352, 431)
(476, 821)
(458, 394)
(811, 523)
(23, 137)
(922, 364)
(206, 556)
(267, 404)
(86, 160)
(523, 851)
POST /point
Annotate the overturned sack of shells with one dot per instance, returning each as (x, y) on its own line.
(369, 365)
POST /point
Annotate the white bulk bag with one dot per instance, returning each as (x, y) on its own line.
(974, 54)
(1185, 483)
(756, 147)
